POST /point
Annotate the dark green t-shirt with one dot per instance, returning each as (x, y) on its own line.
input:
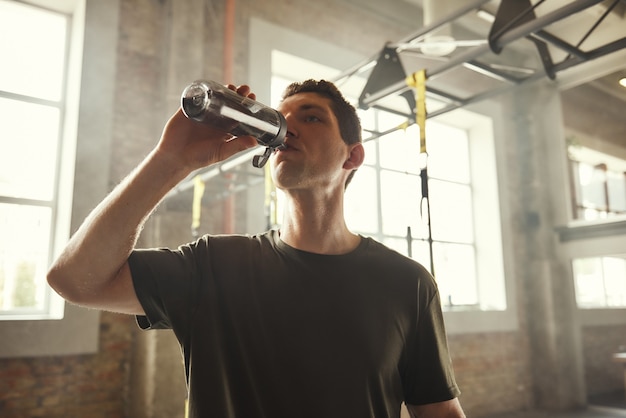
(270, 331)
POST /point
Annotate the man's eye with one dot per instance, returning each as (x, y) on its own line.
(311, 118)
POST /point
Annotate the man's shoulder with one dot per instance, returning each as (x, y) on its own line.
(264, 238)
(228, 246)
(377, 253)
(377, 249)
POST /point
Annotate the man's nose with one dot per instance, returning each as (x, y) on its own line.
(291, 126)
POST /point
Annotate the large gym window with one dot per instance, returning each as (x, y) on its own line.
(34, 50)
(600, 282)
(385, 198)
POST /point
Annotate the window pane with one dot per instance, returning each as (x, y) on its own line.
(33, 41)
(448, 154)
(420, 250)
(599, 181)
(361, 201)
(400, 151)
(592, 181)
(368, 121)
(617, 191)
(279, 84)
(451, 212)
(455, 272)
(589, 282)
(397, 244)
(388, 121)
(421, 253)
(614, 270)
(370, 152)
(400, 201)
(28, 144)
(23, 256)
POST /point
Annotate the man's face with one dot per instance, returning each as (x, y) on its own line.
(315, 152)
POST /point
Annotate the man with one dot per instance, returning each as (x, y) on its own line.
(308, 321)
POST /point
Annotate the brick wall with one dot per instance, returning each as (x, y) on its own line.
(602, 375)
(94, 385)
(492, 370)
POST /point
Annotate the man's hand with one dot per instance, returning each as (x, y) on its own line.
(195, 145)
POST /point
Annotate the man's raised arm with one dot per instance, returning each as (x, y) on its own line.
(92, 270)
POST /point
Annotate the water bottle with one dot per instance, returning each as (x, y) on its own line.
(214, 104)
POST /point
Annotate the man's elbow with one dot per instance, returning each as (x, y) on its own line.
(61, 282)
(445, 409)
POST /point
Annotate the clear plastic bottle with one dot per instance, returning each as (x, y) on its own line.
(212, 103)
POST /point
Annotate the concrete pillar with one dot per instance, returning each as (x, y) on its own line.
(544, 276)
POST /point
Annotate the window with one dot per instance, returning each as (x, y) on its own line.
(394, 166)
(32, 105)
(600, 282)
(385, 199)
(598, 183)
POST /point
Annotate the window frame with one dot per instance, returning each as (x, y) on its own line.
(265, 37)
(91, 74)
(52, 305)
(382, 170)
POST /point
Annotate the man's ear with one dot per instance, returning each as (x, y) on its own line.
(355, 158)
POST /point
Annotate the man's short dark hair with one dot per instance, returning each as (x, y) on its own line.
(347, 118)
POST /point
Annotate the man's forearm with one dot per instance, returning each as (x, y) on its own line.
(101, 246)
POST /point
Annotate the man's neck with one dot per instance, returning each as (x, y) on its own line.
(316, 224)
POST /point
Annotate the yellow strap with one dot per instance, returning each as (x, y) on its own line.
(417, 80)
(196, 209)
(404, 125)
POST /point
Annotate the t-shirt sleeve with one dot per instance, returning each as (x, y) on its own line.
(165, 282)
(429, 376)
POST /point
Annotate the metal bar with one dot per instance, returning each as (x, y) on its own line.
(512, 35)
(393, 111)
(401, 86)
(24, 201)
(376, 135)
(595, 25)
(544, 55)
(486, 70)
(591, 55)
(559, 43)
(510, 24)
(607, 49)
(215, 170)
(543, 21)
(31, 99)
(450, 98)
(415, 35)
(474, 99)
(486, 95)
(431, 93)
